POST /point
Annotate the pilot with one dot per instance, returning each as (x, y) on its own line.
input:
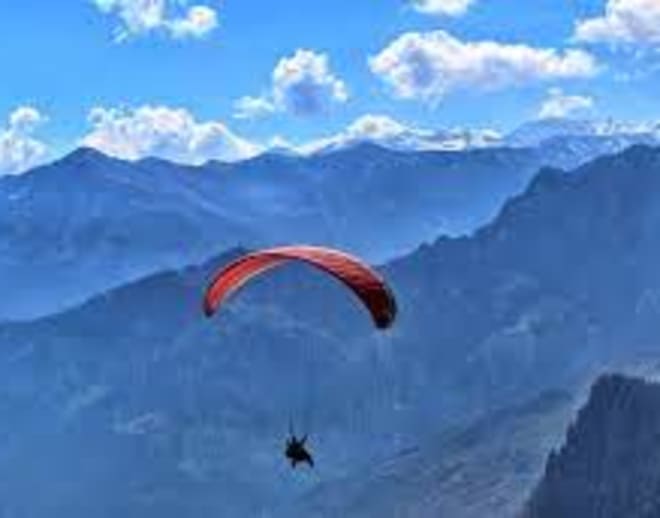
(296, 452)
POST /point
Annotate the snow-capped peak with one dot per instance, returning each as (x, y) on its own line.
(535, 132)
(387, 132)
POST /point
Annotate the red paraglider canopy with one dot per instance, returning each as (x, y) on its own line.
(358, 276)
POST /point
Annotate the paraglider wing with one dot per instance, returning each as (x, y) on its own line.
(359, 277)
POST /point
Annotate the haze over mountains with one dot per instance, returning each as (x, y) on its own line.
(88, 222)
(562, 282)
(486, 468)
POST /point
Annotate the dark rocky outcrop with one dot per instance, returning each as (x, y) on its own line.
(609, 466)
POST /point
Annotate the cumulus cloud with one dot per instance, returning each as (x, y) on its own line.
(19, 149)
(428, 65)
(170, 133)
(198, 21)
(624, 21)
(370, 127)
(173, 17)
(442, 7)
(253, 107)
(302, 84)
(376, 127)
(559, 105)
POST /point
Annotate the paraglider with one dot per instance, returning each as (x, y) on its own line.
(360, 278)
(370, 288)
(296, 451)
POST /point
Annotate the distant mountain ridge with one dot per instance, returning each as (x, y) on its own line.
(537, 132)
(410, 140)
(534, 133)
(89, 222)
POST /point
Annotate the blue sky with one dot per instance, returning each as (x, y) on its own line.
(94, 70)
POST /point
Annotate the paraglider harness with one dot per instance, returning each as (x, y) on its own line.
(296, 451)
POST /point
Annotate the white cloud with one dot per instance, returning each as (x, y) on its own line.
(370, 127)
(170, 133)
(198, 21)
(19, 150)
(281, 143)
(173, 17)
(559, 105)
(302, 84)
(624, 21)
(253, 107)
(429, 65)
(376, 127)
(442, 7)
(25, 119)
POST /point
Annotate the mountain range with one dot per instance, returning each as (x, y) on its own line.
(536, 132)
(88, 222)
(386, 133)
(174, 415)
